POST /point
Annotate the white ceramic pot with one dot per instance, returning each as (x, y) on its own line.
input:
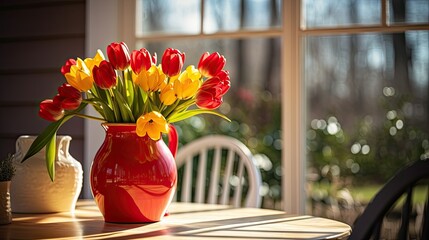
(32, 191)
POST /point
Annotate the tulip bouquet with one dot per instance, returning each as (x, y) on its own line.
(132, 88)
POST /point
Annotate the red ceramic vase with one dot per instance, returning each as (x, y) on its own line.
(133, 179)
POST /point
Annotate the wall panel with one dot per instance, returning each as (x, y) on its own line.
(36, 38)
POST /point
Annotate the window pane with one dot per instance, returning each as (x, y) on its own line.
(252, 103)
(367, 115)
(409, 11)
(167, 17)
(233, 15)
(334, 13)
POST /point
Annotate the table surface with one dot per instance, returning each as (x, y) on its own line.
(185, 221)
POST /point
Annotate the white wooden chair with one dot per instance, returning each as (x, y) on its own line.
(233, 174)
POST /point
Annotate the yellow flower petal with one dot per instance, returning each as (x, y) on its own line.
(153, 133)
(141, 129)
(168, 96)
(91, 62)
(152, 124)
(186, 86)
(80, 76)
(150, 80)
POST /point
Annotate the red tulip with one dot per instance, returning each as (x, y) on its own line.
(68, 91)
(68, 97)
(209, 98)
(67, 103)
(224, 78)
(140, 59)
(66, 67)
(50, 110)
(209, 95)
(223, 75)
(211, 64)
(220, 81)
(119, 55)
(172, 62)
(104, 75)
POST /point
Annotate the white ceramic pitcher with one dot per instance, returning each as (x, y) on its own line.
(32, 191)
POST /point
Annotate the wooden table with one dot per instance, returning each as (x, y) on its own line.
(185, 221)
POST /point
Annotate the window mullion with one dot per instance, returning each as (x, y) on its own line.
(128, 24)
(293, 160)
(230, 35)
(202, 17)
(384, 13)
(363, 29)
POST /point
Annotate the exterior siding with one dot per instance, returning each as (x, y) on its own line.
(36, 38)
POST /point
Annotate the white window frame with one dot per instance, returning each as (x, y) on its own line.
(114, 20)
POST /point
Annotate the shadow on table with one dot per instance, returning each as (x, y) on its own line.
(89, 227)
(238, 228)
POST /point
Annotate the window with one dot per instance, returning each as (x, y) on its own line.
(333, 70)
(366, 82)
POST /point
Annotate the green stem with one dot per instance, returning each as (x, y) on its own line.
(114, 106)
(170, 109)
(185, 105)
(123, 89)
(89, 117)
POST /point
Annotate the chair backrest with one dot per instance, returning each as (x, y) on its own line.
(224, 166)
(369, 224)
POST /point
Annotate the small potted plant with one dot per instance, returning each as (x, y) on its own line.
(7, 171)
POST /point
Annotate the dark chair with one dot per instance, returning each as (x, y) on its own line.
(369, 224)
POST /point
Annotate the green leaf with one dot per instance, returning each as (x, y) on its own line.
(137, 106)
(119, 82)
(124, 108)
(113, 103)
(169, 111)
(190, 113)
(43, 139)
(50, 156)
(47, 138)
(90, 96)
(105, 111)
(183, 105)
(129, 87)
(153, 106)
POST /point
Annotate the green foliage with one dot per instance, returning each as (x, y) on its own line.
(7, 170)
(376, 150)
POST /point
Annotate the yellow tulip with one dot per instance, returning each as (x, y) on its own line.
(152, 124)
(80, 76)
(91, 62)
(151, 80)
(163, 78)
(168, 96)
(186, 86)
